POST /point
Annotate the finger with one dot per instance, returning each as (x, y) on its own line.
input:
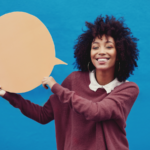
(44, 82)
(45, 77)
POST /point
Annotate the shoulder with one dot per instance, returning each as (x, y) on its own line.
(129, 85)
(126, 89)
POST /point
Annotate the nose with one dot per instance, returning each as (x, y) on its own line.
(101, 51)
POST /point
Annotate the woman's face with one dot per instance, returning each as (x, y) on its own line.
(103, 53)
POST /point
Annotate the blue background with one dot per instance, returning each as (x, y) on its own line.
(65, 20)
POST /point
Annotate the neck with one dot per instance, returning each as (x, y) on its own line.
(104, 77)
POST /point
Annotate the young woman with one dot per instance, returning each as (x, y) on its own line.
(91, 106)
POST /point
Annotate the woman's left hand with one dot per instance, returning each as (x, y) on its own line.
(48, 81)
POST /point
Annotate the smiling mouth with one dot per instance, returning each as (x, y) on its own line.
(102, 59)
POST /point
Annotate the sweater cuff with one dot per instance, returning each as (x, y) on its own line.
(6, 96)
(55, 88)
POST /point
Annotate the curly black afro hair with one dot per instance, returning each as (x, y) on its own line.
(125, 43)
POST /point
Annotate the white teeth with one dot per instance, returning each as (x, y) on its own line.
(102, 60)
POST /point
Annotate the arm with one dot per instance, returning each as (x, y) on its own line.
(38, 113)
(116, 105)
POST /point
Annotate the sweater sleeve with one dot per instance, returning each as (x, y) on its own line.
(116, 105)
(38, 113)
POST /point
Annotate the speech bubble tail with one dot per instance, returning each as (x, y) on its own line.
(58, 61)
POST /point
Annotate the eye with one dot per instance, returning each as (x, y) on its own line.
(95, 47)
(109, 47)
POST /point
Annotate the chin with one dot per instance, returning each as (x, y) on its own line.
(103, 68)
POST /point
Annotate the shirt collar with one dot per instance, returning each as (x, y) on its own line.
(108, 87)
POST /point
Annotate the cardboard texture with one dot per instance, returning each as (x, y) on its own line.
(27, 52)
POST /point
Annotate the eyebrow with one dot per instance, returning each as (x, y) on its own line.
(95, 42)
(105, 42)
(109, 42)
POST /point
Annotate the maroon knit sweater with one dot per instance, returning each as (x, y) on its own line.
(84, 119)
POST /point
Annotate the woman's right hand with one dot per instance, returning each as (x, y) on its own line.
(2, 92)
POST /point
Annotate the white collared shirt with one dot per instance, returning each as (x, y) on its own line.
(94, 85)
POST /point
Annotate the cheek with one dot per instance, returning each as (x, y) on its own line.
(114, 54)
(92, 53)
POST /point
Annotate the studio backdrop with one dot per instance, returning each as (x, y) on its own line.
(65, 20)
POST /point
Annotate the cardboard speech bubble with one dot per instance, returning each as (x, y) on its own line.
(27, 52)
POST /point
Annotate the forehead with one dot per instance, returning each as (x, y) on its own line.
(103, 39)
